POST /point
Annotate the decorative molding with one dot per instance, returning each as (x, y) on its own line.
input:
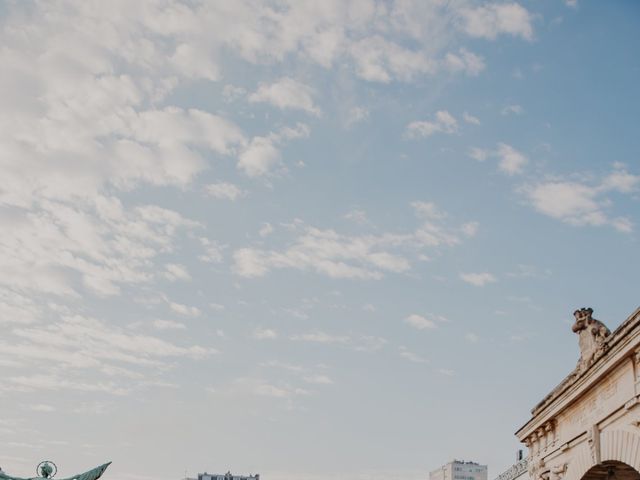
(514, 471)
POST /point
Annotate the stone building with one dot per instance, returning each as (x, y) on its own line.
(588, 427)
(459, 470)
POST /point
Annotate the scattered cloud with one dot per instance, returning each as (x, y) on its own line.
(479, 154)
(95, 356)
(420, 322)
(265, 230)
(356, 115)
(580, 203)
(318, 379)
(231, 93)
(471, 337)
(510, 160)
(512, 110)
(320, 337)
(467, 117)
(493, 19)
(443, 122)
(478, 279)
(264, 334)
(168, 325)
(225, 191)
(350, 256)
(41, 407)
(262, 154)
(175, 271)
(287, 93)
(464, 61)
(411, 356)
(186, 310)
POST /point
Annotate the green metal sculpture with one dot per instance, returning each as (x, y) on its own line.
(48, 469)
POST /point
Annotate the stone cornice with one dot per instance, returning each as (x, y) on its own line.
(580, 380)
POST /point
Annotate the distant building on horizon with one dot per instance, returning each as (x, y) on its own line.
(459, 470)
(224, 476)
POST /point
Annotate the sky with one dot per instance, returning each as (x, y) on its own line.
(305, 239)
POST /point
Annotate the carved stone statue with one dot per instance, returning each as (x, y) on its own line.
(592, 334)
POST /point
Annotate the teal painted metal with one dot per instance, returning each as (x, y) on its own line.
(93, 474)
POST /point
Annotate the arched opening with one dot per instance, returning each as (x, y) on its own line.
(611, 470)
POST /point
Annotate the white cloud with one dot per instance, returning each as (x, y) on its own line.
(174, 271)
(420, 322)
(168, 325)
(467, 117)
(318, 379)
(428, 210)
(344, 256)
(620, 180)
(87, 349)
(478, 279)
(265, 334)
(578, 203)
(444, 122)
(212, 251)
(287, 93)
(231, 93)
(265, 230)
(262, 154)
(479, 154)
(185, 310)
(490, 20)
(512, 109)
(471, 337)
(470, 229)
(259, 157)
(320, 337)
(511, 160)
(464, 61)
(357, 216)
(411, 356)
(225, 190)
(42, 407)
(356, 115)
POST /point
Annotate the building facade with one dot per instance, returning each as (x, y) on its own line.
(588, 427)
(459, 470)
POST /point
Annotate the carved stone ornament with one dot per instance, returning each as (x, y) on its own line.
(592, 335)
(535, 468)
(557, 472)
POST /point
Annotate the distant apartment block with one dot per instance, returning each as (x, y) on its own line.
(459, 470)
(224, 476)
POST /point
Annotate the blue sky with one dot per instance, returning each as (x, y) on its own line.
(305, 239)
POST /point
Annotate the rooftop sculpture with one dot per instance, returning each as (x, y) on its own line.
(592, 335)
